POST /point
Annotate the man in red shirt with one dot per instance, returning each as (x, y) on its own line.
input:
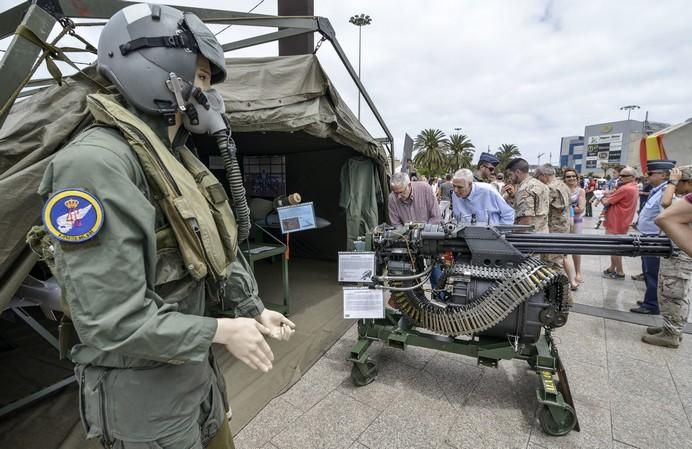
(622, 204)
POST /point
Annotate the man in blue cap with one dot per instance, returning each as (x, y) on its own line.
(486, 167)
(658, 172)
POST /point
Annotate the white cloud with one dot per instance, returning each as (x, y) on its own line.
(524, 72)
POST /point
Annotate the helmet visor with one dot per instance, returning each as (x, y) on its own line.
(208, 45)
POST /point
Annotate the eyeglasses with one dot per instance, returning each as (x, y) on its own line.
(570, 177)
(649, 173)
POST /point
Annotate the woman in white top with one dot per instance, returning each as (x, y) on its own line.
(577, 198)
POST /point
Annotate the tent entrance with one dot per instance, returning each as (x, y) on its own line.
(312, 168)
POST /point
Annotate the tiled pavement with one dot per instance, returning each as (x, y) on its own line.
(627, 394)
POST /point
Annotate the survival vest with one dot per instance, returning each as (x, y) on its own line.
(192, 199)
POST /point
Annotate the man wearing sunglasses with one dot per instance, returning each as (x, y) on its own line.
(658, 173)
(622, 204)
(486, 166)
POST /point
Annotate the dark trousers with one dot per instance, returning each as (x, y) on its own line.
(589, 211)
(650, 267)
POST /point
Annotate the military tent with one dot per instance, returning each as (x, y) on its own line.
(279, 107)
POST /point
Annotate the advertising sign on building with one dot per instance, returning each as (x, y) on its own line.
(603, 149)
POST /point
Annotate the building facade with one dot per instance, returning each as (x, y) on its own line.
(606, 145)
(572, 152)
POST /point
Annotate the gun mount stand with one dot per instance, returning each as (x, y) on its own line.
(556, 415)
(494, 300)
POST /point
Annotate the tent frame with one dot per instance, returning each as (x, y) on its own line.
(40, 16)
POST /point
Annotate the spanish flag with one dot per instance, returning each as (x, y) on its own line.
(650, 149)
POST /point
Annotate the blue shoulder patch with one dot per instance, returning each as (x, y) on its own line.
(73, 215)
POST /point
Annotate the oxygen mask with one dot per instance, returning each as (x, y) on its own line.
(203, 110)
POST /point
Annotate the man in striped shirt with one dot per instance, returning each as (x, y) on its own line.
(411, 202)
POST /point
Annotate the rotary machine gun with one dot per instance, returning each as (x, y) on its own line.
(491, 302)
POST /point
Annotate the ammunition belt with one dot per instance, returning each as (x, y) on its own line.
(514, 286)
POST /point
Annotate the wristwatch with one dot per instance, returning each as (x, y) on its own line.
(673, 182)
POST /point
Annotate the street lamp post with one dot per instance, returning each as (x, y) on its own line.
(629, 108)
(360, 20)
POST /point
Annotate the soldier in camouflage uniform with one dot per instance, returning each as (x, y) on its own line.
(558, 213)
(674, 275)
(531, 197)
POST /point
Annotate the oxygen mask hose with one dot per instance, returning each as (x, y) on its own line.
(241, 210)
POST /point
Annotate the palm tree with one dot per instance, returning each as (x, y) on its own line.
(505, 153)
(461, 152)
(432, 155)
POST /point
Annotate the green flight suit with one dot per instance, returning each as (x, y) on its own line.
(144, 364)
(360, 194)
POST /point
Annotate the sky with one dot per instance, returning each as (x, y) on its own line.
(523, 72)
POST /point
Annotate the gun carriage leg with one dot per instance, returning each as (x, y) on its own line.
(557, 414)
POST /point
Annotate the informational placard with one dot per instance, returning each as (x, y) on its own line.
(363, 303)
(298, 217)
(356, 266)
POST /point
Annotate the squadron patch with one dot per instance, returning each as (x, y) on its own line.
(73, 215)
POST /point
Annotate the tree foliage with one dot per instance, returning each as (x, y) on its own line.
(505, 153)
(460, 152)
(432, 147)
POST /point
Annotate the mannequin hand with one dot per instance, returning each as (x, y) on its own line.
(243, 337)
(280, 327)
(675, 174)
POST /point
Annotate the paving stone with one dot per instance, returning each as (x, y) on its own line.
(579, 324)
(584, 348)
(267, 446)
(625, 339)
(318, 382)
(587, 381)
(335, 422)
(357, 445)
(393, 379)
(499, 412)
(483, 424)
(639, 378)
(532, 445)
(273, 418)
(620, 295)
(513, 383)
(456, 379)
(413, 356)
(589, 293)
(418, 419)
(680, 370)
(680, 355)
(647, 423)
(342, 348)
(595, 428)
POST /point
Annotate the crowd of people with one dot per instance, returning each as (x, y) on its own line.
(630, 204)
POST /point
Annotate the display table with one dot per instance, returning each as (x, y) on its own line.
(254, 251)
